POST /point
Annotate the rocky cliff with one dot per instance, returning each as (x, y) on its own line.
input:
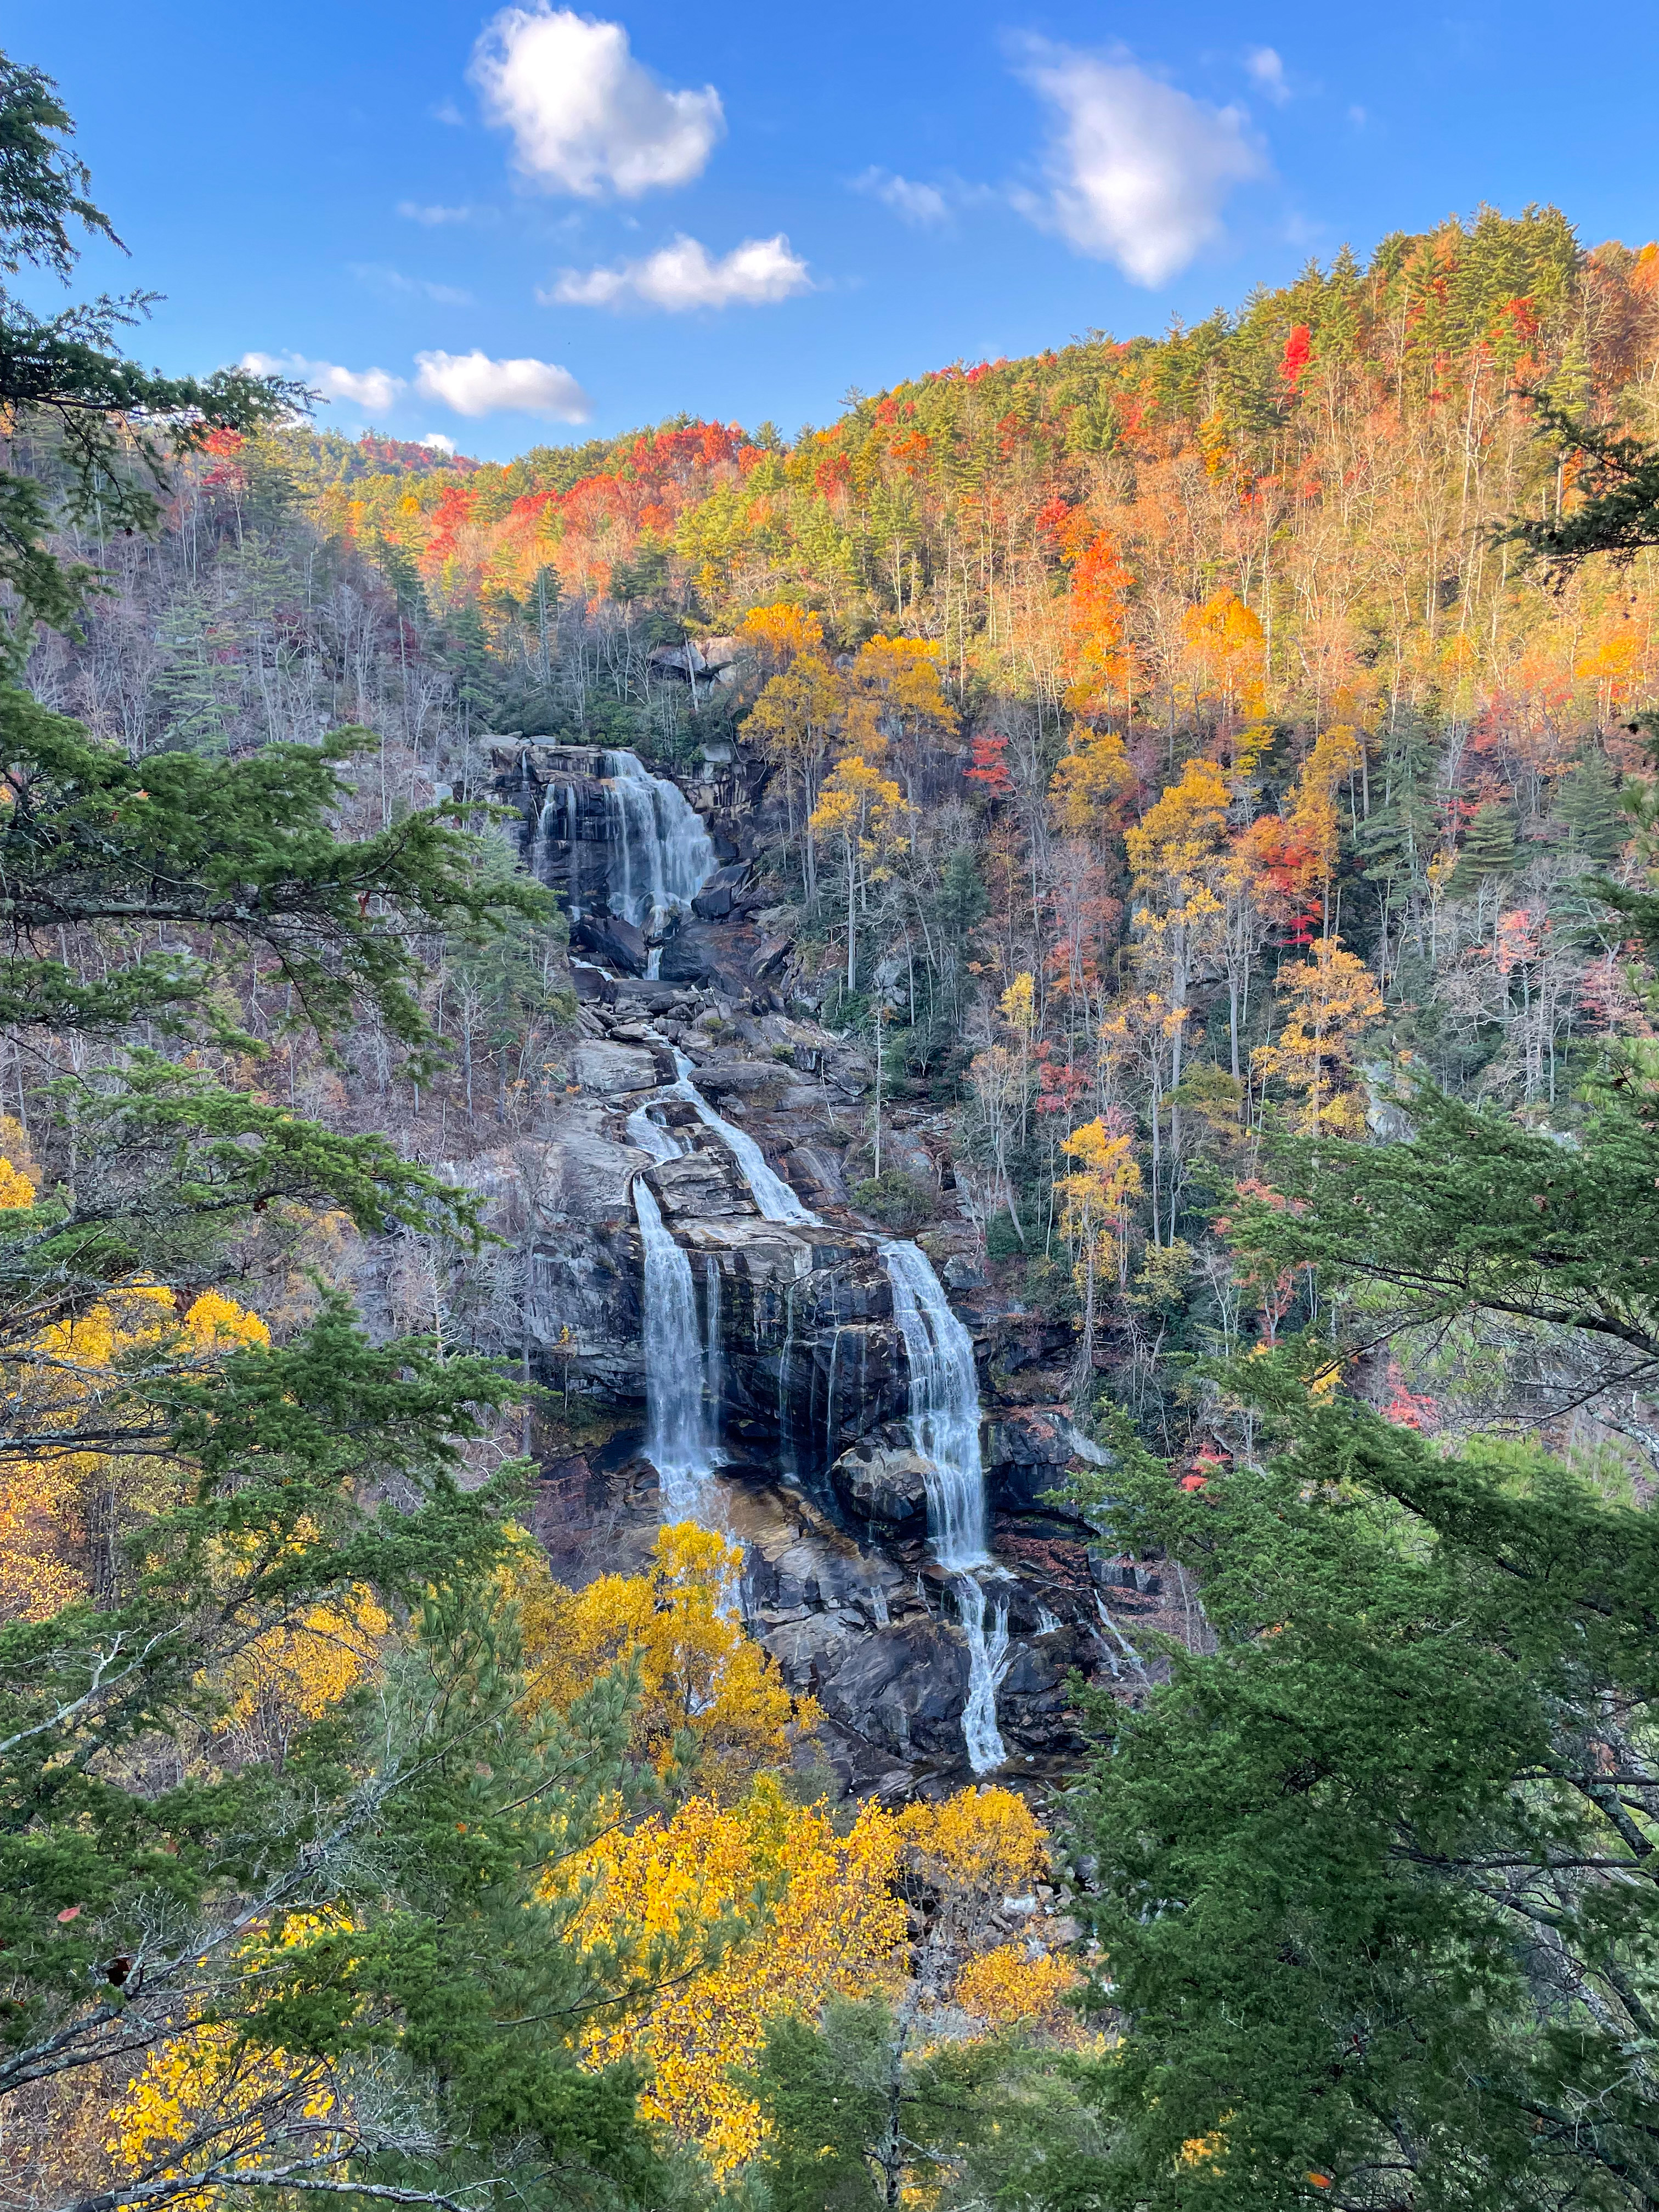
(821, 1480)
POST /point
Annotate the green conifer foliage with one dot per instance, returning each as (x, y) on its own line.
(1588, 805)
(1488, 849)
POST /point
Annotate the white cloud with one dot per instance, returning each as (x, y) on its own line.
(685, 274)
(414, 211)
(375, 389)
(585, 117)
(472, 384)
(1138, 171)
(380, 279)
(921, 205)
(1268, 70)
(436, 442)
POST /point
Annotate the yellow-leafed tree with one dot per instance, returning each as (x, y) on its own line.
(705, 1686)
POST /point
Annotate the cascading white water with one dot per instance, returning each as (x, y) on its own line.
(776, 1201)
(944, 1391)
(662, 853)
(943, 1407)
(988, 1659)
(944, 1430)
(682, 1363)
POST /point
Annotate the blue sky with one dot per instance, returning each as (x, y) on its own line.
(537, 224)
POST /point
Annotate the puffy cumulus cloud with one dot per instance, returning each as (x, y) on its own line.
(585, 117)
(1138, 171)
(685, 275)
(1268, 70)
(436, 442)
(472, 384)
(375, 389)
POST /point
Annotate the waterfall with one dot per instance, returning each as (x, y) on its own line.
(661, 854)
(944, 1430)
(944, 1408)
(681, 1362)
(987, 1663)
(944, 1391)
(776, 1201)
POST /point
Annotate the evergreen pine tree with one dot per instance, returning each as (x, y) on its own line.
(1488, 849)
(1396, 841)
(1588, 805)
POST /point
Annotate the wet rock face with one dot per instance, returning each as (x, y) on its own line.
(883, 1478)
(560, 796)
(903, 1690)
(858, 1625)
(821, 1483)
(1028, 1450)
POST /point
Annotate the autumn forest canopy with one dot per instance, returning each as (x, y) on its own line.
(1175, 829)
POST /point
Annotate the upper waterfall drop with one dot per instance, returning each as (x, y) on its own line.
(663, 853)
(776, 1201)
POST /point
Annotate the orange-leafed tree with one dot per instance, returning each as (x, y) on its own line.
(1092, 785)
(1225, 652)
(1099, 661)
(777, 633)
(1315, 823)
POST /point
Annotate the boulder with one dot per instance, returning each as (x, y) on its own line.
(701, 1185)
(720, 955)
(593, 988)
(615, 943)
(753, 1081)
(883, 1478)
(611, 1069)
(904, 1688)
(588, 1175)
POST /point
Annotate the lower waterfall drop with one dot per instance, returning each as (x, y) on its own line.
(944, 1429)
(681, 1374)
(944, 1390)
(988, 1659)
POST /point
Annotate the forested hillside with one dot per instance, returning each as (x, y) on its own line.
(826, 1324)
(1224, 757)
